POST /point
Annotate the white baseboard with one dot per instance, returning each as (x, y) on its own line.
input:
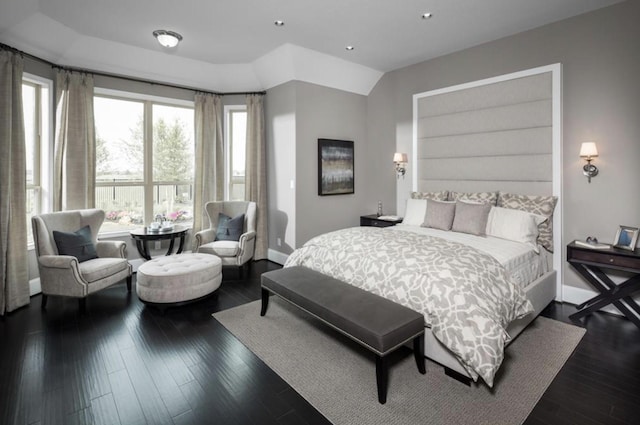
(277, 256)
(135, 263)
(34, 287)
(576, 296)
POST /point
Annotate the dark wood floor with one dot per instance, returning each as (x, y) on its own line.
(123, 363)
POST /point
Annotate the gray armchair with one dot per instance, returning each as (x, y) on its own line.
(64, 275)
(232, 253)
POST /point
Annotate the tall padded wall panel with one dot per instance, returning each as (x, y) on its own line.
(496, 136)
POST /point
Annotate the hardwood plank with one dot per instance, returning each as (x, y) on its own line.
(52, 410)
(151, 402)
(104, 410)
(81, 417)
(126, 401)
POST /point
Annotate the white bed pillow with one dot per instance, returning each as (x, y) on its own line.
(414, 213)
(514, 225)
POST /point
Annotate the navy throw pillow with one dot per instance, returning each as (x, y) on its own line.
(229, 229)
(77, 244)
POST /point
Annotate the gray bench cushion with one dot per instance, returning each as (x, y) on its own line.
(377, 322)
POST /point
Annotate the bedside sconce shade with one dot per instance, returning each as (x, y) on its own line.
(588, 150)
(400, 157)
(400, 160)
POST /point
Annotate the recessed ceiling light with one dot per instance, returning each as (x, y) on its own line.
(349, 48)
(427, 15)
(167, 38)
(279, 23)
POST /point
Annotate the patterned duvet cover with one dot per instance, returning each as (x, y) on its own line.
(465, 295)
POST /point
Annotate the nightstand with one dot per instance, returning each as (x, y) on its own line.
(589, 263)
(373, 220)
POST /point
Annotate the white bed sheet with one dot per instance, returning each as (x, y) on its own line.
(521, 261)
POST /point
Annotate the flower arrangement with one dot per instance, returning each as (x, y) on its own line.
(124, 217)
(180, 215)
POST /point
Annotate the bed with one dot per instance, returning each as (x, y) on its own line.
(477, 279)
(495, 141)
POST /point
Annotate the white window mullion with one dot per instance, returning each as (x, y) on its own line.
(148, 162)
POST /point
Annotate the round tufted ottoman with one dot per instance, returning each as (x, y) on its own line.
(178, 278)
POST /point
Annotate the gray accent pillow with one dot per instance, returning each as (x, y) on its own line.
(471, 218)
(541, 205)
(229, 229)
(485, 197)
(436, 196)
(77, 244)
(439, 214)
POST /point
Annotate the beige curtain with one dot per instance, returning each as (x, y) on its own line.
(75, 159)
(14, 275)
(209, 156)
(256, 170)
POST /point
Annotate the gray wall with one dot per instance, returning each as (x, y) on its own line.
(327, 113)
(600, 56)
(297, 115)
(280, 118)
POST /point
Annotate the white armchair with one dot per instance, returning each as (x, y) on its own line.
(65, 275)
(232, 253)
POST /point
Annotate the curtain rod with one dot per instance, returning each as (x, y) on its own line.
(121, 77)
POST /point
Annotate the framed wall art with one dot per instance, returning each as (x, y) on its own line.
(335, 167)
(626, 238)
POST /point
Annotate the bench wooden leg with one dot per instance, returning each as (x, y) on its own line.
(265, 302)
(418, 353)
(457, 376)
(381, 378)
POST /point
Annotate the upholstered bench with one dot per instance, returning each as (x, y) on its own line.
(376, 323)
(176, 279)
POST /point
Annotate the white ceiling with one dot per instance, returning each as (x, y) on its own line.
(233, 45)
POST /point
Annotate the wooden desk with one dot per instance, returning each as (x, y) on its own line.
(590, 262)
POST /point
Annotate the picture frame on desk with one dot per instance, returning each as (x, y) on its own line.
(626, 238)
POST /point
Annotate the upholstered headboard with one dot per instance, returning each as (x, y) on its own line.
(498, 134)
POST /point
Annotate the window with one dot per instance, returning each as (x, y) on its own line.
(144, 159)
(36, 99)
(235, 146)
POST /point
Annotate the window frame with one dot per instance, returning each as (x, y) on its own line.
(42, 184)
(147, 183)
(229, 178)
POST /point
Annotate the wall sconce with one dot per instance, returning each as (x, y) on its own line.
(400, 159)
(589, 151)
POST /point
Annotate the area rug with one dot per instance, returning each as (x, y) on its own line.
(337, 376)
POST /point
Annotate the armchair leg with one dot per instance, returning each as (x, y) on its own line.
(44, 302)
(82, 305)
(129, 283)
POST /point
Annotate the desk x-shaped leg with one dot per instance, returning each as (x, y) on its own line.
(610, 293)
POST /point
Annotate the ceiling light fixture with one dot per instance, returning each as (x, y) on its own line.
(166, 38)
(279, 23)
(427, 15)
(349, 48)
